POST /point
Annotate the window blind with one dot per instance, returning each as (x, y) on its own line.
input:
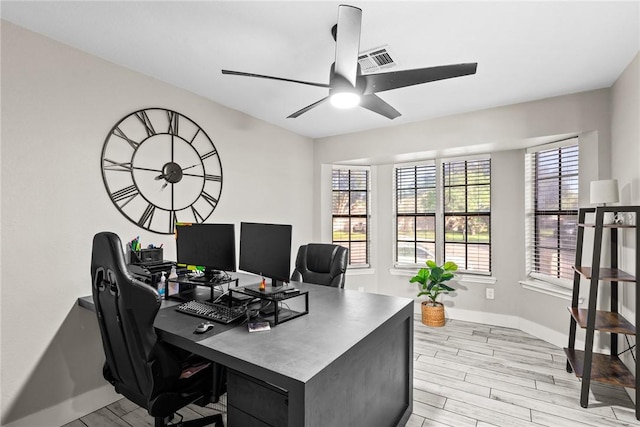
(415, 205)
(350, 213)
(552, 210)
(467, 214)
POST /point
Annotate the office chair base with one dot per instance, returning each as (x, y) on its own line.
(215, 420)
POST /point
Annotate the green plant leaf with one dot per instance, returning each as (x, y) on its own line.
(450, 266)
(431, 278)
(436, 274)
(421, 277)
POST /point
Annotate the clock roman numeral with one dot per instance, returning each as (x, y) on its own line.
(215, 178)
(119, 133)
(173, 219)
(126, 194)
(212, 201)
(146, 122)
(147, 216)
(172, 116)
(110, 165)
(194, 136)
(209, 154)
(196, 214)
(209, 199)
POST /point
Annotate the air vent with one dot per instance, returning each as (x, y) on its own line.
(376, 60)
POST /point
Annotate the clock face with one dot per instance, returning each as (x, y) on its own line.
(159, 167)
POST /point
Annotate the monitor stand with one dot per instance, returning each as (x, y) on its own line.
(208, 277)
(270, 309)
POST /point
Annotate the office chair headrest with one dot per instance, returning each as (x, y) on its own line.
(318, 258)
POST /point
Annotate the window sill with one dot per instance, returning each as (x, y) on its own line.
(473, 278)
(360, 271)
(460, 277)
(548, 289)
(403, 272)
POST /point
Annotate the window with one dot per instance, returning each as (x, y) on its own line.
(453, 227)
(415, 214)
(350, 213)
(467, 214)
(552, 209)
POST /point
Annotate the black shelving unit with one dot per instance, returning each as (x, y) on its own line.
(587, 364)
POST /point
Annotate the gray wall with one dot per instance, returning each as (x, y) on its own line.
(625, 147)
(503, 132)
(58, 104)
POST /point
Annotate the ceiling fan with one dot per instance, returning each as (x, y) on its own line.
(348, 87)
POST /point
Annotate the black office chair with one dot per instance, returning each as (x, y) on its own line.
(322, 264)
(144, 369)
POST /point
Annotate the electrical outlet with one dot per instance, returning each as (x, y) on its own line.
(490, 293)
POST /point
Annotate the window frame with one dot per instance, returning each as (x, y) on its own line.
(466, 213)
(533, 248)
(366, 216)
(439, 212)
(414, 214)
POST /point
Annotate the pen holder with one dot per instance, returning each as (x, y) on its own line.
(144, 256)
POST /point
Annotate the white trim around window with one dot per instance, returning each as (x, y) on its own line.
(423, 212)
(356, 220)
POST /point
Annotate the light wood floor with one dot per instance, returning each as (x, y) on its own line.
(467, 374)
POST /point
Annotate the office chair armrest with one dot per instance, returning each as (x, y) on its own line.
(191, 370)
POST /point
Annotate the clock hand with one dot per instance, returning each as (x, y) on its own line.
(165, 176)
(166, 182)
(146, 169)
(192, 166)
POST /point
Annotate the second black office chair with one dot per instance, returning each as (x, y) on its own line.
(322, 264)
(147, 371)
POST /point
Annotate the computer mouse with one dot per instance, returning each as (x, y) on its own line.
(203, 327)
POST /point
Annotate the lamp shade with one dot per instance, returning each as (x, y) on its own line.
(604, 191)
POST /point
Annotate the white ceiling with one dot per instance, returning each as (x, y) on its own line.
(524, 50)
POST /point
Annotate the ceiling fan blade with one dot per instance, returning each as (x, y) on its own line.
(307, 108)
(348, 42)
(377, 105)
(240, 73)
(397, 79)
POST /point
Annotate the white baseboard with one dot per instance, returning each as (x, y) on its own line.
(547, 334)
(70, 409)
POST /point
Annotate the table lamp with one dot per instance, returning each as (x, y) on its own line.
(603, 192)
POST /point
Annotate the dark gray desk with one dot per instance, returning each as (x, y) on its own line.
(349, 362)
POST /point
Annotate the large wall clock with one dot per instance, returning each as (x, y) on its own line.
(159, 167)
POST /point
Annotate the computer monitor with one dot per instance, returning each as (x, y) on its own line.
(206, 247)
(265, 249)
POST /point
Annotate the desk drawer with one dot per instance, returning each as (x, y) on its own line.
(252, 402)
(237, 418)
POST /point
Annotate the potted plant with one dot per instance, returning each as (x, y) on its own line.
(431, 283)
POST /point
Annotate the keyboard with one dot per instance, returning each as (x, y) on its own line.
(217, 312)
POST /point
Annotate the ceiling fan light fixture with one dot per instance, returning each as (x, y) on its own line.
(345, 100)
(349, 86)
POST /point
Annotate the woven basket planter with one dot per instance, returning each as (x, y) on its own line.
(432, 315)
